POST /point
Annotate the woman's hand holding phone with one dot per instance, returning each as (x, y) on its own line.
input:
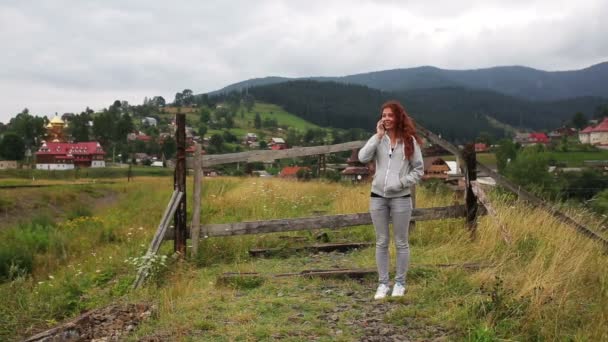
(380, 129)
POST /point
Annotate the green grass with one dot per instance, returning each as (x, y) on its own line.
(245, 124)
(576, 159)
(548, 283)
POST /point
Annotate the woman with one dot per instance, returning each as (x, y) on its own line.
(396, 150)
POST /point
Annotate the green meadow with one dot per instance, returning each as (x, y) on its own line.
(543, 282)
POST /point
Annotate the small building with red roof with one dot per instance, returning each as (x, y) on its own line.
(481, 147)
(538, 138)
(292, 171)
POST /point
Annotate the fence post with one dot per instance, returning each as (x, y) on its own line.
(179, 184)
(196, 207)
(470, 174)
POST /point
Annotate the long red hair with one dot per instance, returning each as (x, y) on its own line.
(405, 128)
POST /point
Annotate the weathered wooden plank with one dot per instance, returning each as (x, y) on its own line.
(530, 198)
(434, 138)
(340, 272)
(328, 221)
(181, 230)
(470, 174)
(160, 234)
(319, 247)
(270, 155)
(196, 204)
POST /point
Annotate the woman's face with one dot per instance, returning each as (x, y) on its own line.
(388, 118)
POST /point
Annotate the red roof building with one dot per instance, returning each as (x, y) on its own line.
(291, 171)
(481, 147)
(538, 138)
(597, 136)
(66, 156)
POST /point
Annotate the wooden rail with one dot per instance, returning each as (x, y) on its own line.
(328, 221)
(537, 202)
(269, 155)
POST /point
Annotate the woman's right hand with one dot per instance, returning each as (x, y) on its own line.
(380, 131)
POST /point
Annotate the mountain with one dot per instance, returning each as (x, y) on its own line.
(458, 113)
(518, 81)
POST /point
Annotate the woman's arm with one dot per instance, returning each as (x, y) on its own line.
(416, 170)
(367, 152)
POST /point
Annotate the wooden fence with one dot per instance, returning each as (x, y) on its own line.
(470, 211)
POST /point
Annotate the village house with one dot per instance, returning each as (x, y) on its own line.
(150, 121)
(277, 144)
(355, 171)
(435, 167)
(595, 135)
(8, 164)
(481, 147)
(534, 138)
(561, 132)
(139, 136)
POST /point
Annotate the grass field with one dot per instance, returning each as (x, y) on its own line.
(546, 283)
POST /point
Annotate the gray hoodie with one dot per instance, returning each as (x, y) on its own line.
(395, 173)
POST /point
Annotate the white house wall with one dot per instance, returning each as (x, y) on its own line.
(596, 138)
(54, 166)
(98, 163)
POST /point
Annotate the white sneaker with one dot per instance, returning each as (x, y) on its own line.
(382, 291)
(398, 290)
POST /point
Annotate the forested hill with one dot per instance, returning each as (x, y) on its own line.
(523, 82)
(459, 114)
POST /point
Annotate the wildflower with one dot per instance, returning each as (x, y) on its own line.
(97, 271)
(51, 277)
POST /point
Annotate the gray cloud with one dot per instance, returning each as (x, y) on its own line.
(64, 55)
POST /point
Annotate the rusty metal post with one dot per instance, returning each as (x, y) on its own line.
(179, 184)
(470, 174)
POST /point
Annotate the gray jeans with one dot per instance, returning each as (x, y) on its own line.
(400, 210)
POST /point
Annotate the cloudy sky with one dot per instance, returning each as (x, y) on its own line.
(63, 55)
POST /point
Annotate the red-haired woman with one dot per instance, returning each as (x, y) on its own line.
(396, 151)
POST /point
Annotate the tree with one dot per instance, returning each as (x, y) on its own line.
(204, 115)
(187, 97)
(530, 169)
(579, 120)
(179, 98)
(29, 128)
(79, 127)
(257, 121)
(506, 151)
(217, 142)
(12, 147)
(158, 101)
(169, 148)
